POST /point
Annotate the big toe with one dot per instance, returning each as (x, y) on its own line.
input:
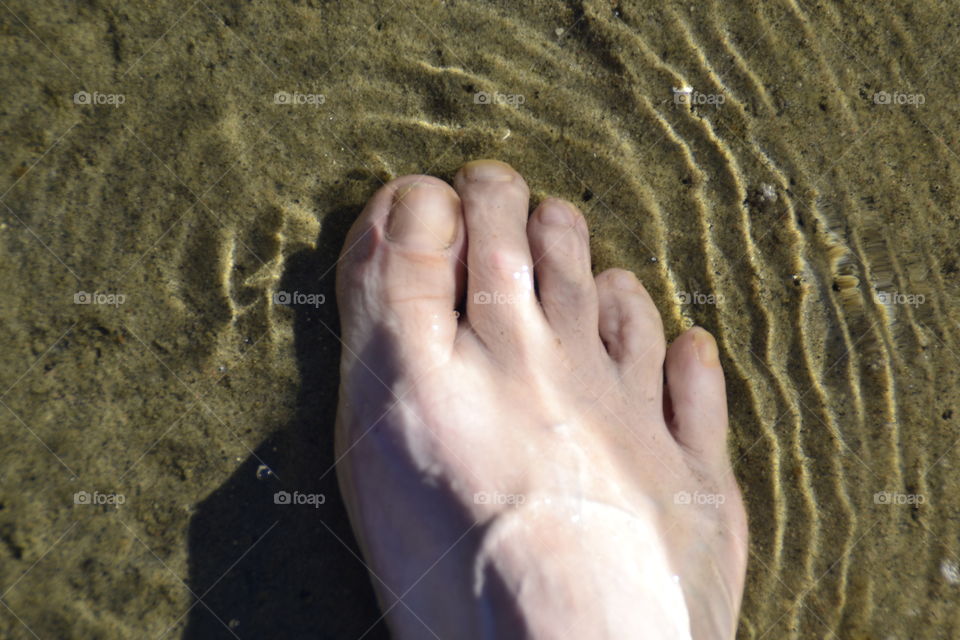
(402, 269)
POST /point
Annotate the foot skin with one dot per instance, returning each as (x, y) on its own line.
(540, 464)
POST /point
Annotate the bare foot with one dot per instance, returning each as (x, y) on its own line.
(521, 470)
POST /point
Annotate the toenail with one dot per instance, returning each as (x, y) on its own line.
(625, 280)
(557, 212)
(488, 171)
(706, 347)
(402, 192)
(423, 216)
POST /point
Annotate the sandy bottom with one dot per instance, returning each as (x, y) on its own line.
(782, 173)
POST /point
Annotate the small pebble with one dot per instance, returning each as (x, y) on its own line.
(950, 570)
(768, 192)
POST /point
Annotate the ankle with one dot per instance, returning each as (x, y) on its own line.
(555, 567)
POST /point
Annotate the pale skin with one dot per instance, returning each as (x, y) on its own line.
(540, 465)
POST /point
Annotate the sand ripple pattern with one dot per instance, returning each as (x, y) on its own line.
(778, 218)
(764, 168)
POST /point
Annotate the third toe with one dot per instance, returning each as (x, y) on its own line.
(560, 245)
(631, 328)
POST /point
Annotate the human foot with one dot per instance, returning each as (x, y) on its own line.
(520, 469)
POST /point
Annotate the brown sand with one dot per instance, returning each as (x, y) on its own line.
(774, 219)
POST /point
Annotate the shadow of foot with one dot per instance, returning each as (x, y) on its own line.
(268, 570)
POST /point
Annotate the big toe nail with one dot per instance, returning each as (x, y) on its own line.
(422, 217)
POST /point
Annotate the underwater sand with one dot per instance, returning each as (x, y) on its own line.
(799, 201)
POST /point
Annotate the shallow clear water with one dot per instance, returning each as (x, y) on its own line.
(781, 173)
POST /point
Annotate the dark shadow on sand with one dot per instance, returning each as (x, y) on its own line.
(299, 580)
